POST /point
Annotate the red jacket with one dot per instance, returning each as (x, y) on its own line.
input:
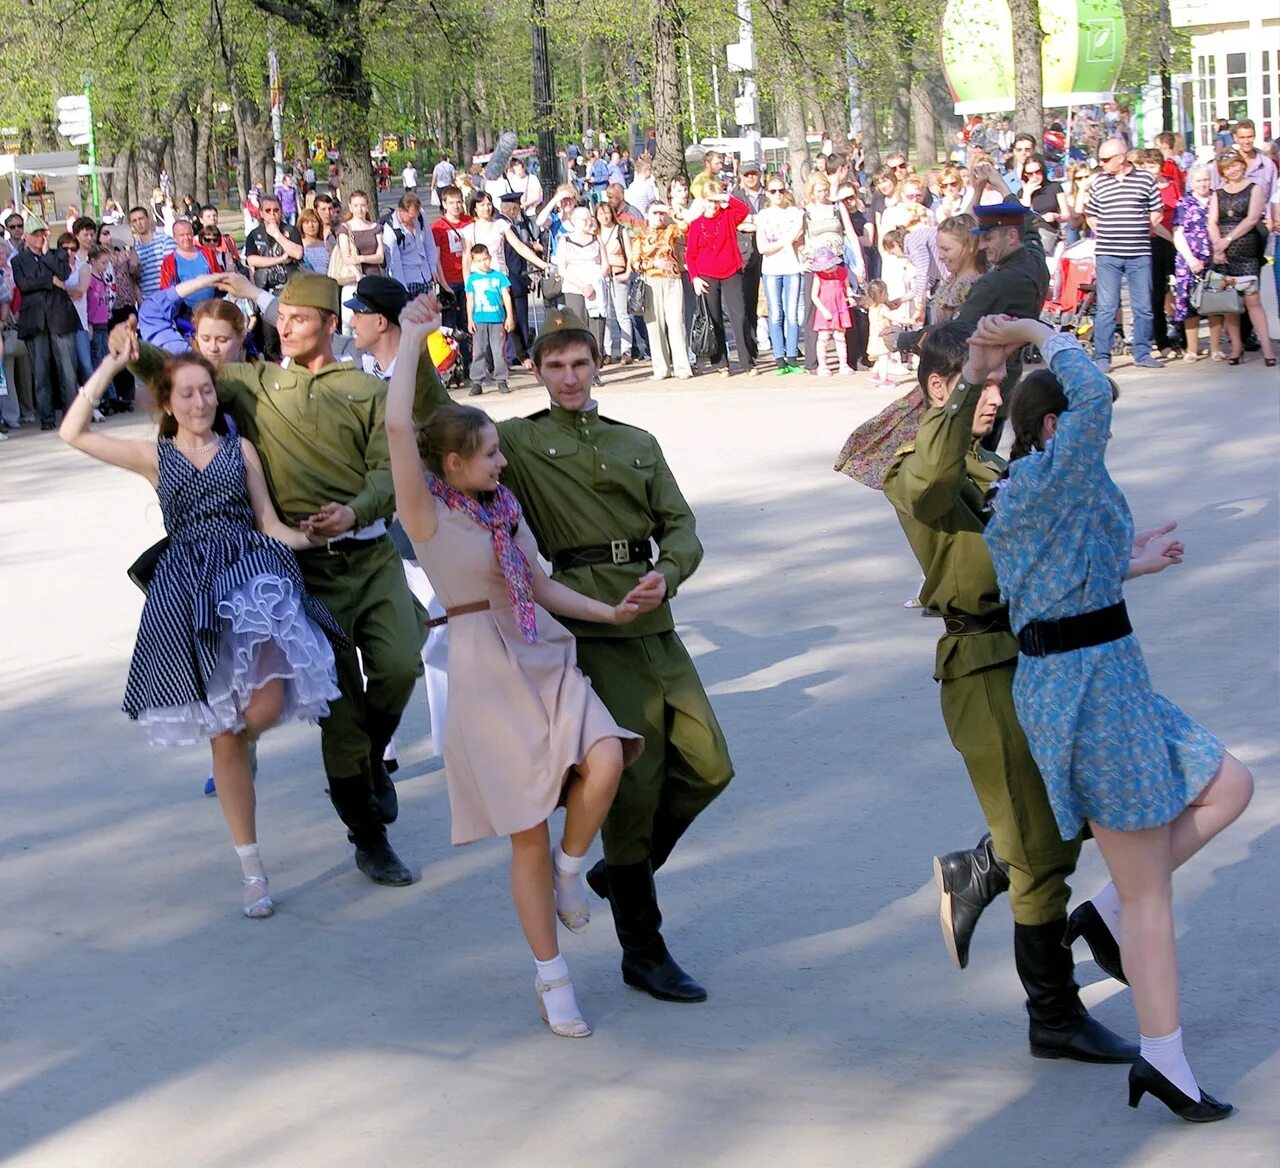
(169, 265)
(711, 245)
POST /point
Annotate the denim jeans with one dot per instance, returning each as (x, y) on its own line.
(617, 318)
(84, 357)
(1110, 271)
(783, 295)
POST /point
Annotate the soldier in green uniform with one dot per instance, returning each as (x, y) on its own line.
(598, 494)
(317, 424)
(938, 486)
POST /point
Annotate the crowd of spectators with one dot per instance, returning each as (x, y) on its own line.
(815, 273)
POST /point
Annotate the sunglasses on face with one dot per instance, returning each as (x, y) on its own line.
(949, 184)
(777, 190)
(1034, 170)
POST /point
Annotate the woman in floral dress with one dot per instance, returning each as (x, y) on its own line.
(1195, 254)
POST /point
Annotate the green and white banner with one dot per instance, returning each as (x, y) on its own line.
(1081, 55)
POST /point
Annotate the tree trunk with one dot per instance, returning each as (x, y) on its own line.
(1028, 80)
(900, 123)
(204, 138)
(923, 122)
(663, 25)
(870, 125)
(467, 132)
(184, 149)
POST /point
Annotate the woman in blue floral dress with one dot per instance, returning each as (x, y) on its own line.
(1153, 786)
(1195, 255)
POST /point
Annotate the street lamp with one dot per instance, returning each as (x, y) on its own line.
(542, 97)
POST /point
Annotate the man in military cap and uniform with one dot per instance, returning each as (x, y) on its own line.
(938, 486)
(598, 494)
(317, 424)
(1015, 283)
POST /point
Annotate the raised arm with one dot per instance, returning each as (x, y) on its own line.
(1075, 459)
(415, 505)
(130, 454)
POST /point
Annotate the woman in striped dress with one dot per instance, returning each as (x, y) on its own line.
(229, 643)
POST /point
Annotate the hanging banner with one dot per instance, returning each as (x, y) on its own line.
(1080, 56)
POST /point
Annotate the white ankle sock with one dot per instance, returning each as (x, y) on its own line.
(1165, 1054)
(571, 892)
(1107, 903)
(250, 861)
(561, 1004)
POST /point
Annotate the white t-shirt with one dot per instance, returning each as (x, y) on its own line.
(773, 224)
(409, 176)
(528, 188)
(493, 235)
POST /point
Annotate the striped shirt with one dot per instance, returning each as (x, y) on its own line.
(1122, 207)
(150, 257)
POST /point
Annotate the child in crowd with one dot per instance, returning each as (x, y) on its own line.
(491, 314)
(831, 316)
(98, 303)
(882, 313)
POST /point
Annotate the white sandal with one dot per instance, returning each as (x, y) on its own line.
(262, 907)
(576, 1027)
(573, 919)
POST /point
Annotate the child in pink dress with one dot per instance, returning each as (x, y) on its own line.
(831, 315)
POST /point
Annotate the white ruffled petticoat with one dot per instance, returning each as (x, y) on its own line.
(264, 634)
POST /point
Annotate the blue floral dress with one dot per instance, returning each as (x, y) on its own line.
(1192, 216)
(1110, 748)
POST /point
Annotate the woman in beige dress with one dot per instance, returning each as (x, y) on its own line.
(525, 732)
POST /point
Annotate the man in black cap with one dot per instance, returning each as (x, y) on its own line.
(1015, 283)
(375, 323)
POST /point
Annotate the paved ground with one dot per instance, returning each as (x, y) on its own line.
(146, 1023)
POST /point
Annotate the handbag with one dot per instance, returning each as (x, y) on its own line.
(702, 337)
(550, 287)
(637, 296)
(342, 268)
(144, 567)
(1216, 294)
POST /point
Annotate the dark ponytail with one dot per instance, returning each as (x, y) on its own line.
(1035, 397)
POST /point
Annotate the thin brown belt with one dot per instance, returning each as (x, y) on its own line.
(460, 610)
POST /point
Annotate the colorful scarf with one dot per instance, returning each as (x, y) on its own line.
(869, 452)
(501, 516)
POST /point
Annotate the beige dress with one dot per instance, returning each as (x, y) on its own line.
(520, 716)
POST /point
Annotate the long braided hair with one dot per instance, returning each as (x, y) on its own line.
(1035, 397)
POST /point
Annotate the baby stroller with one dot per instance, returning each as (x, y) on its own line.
(1073, 299)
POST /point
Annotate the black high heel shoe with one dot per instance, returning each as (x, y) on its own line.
(1233, 360)
(1143, 1078)
(1086, 922)
(1269, 362)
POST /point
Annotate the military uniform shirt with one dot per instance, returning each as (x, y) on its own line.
(938, 485)
(585, 480)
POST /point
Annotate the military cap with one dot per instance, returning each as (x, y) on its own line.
(1010, 213)
(381, 295)
(310, 290)
(558, 322)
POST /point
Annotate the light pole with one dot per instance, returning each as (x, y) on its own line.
(542, 98)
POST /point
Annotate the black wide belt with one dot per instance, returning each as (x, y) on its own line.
(1041, 638)
(617, 551)
(351, 544)
(961, 624)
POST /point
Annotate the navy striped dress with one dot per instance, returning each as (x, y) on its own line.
(226, 611)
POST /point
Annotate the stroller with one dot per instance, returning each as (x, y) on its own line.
(1073, 300)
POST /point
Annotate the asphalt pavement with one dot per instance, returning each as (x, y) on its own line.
(145, 1023)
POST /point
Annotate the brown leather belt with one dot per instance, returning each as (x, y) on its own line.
(460, 610)
(963, 625)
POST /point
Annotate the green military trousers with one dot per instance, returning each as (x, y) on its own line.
(983, 725)
(649, 685)
(365, 589)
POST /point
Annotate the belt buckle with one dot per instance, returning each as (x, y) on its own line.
(620, 549)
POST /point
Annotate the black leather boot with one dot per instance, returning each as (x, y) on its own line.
(380, 729)
(1060, 1025)
(667, 830)
(646, 963)
(968, 881)
(352, 798)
